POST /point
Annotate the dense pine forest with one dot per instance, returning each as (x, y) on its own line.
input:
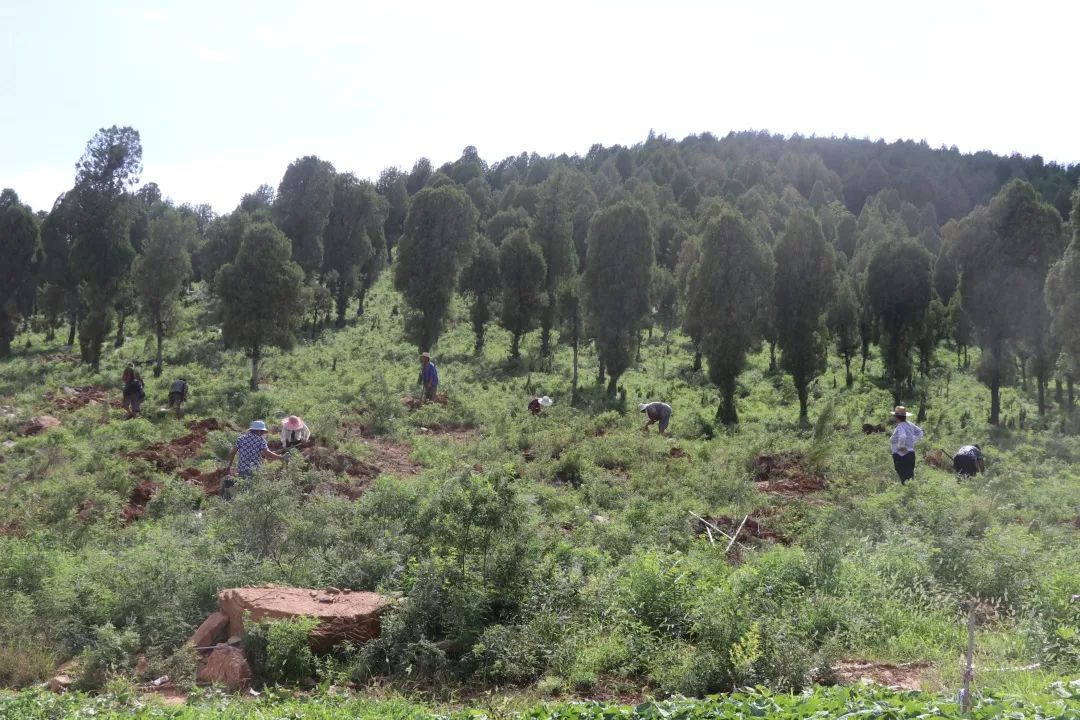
(782, 294)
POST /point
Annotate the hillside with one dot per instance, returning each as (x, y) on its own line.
(561, 552)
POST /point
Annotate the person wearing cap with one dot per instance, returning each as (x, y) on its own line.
(968, 461)
(537, 404)
(294, 431)
(902, 442)
(656, 412)
(252, 449)
(429, 376)
(178, 394)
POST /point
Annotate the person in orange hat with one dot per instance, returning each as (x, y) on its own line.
(902, 442)
(294, 431)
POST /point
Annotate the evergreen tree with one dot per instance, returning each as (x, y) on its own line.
(346, 242)
(804, 284)
(732, 280)
(898, 286)
(522, 270)
(572, 323)
(1063, 301)
(101, 253)
(618, 267)
(161, 272)
(438, 240)
(481, 281)
(844, 325)
(392, 186)
(20, 248)
(302, 209)
(553, 232)
(260, 294)
(58, 294)
(1003, 253)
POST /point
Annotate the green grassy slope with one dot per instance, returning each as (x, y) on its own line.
(557, 553)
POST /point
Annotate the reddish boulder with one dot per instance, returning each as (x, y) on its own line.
(227, 666)
(350, 616)
(211, 631)
(39, 425)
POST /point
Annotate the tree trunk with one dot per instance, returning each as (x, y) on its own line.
(342, 305)
(1041, 382)
(1059, 392)
(966, 361)
(5, 345)
(848, 379)
(697, 361)
(360, 302)
(772, 356)
(995, 401)
(1069, 392)
(120, 330)
(613, 385)
(73, 321)
(515, 346)
(574, 375)
(545, 339)
(897, 389)
(160, 336)
(865, 355)
(727, 413)
(600, 377)
(803, 391)
(255, 368)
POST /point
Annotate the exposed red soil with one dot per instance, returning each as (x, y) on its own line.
(753, 529)
(896, 677)
(12, 529)
(38, 425)
(415, 402)
(171, 455)
(73, 398)
(210, 481)
(140, 498)
(786, 474)
(529, 455)
(85, 511)
(677, 452)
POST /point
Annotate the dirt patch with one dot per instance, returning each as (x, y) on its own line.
(938, 459)
(392, 457)
(786, 474)
(12, 529)
(614, 465)
(415, 402)
(752, 530)
(210, 481)
(38, 425)
(171, 455)
(896, 677)
(869, 429)
(74, 398)
(677, 452)
(140, 498)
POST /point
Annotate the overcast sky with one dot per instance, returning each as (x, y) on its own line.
(227, 94)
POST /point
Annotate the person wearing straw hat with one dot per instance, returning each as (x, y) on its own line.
(294, 431)
(252, 449)
(537, 404)
(902, 442)
(429, 376)
(656, 412)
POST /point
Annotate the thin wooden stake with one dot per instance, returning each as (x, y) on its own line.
(709, 524)
(969, 669)
(736, 535)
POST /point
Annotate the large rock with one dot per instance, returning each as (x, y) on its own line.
(352, 616)
(61, 683)
(39, 425)
(212, 631)
(226, 665)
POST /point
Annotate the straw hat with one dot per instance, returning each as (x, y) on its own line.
(425, 355)
(292, 423)
(257, 426)
(900, 412)
(642, 406)
(546, 401)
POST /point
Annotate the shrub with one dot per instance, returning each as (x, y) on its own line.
(279, 650)
(112, 651)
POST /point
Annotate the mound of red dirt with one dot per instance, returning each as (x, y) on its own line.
(324, 458)
(677, 452)
(38, 425)
(140, 498)
(342, 615)
(210, 481)
(73, 398)
(938, 459)
(171, 455)
(786, 474)
(895, 677)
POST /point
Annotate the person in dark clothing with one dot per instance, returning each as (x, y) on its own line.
(133, 391)
(178, 395)
(429, 377)
(968, 461)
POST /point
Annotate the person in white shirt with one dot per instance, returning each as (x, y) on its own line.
(902, 444)
(294, 431)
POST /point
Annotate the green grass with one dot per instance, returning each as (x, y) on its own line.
(556, 553)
